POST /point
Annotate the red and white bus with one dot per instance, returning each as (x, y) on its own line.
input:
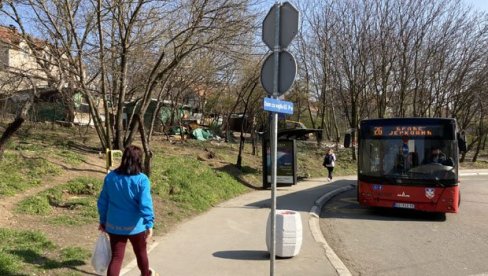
(409, 163)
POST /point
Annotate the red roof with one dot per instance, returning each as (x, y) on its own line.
(10, 35)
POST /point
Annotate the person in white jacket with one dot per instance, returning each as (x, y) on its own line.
(329, 162)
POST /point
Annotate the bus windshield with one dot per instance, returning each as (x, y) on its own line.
(409, 160)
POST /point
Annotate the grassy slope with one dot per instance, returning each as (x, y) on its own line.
(183, 185)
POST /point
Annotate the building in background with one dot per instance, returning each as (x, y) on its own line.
(28, 68)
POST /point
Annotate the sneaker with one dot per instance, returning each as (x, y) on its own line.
(153, 273)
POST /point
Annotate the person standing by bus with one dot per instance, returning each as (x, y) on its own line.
(126, 211)
(329, 162)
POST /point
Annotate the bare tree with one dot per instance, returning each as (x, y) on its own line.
(386, 58)
(100, 42)
(21, 116)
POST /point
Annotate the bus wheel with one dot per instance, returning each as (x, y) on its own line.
(441, 217)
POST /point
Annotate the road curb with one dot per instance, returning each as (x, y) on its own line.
(317, 234)
(473, 173)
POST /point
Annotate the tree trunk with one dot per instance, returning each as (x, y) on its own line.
(15, 125)
(484, 143)
(253, 136)
(145, 146)
(354, 124)
(478, 148)
(69, 111)
(106, 109)
(244, 122)
(241, 149)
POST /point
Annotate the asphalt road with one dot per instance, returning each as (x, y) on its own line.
(405, 242)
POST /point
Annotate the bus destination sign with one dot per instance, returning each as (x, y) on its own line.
(403, 131)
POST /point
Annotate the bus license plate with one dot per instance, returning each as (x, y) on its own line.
(404, 205)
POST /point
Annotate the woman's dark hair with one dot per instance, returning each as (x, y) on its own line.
(131, 161)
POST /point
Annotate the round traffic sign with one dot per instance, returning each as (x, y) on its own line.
(286, 73)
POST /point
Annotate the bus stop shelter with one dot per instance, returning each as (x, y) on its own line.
(286, 156)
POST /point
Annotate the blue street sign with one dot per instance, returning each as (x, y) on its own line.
(278, 106)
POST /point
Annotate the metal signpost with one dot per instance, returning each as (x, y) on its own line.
(280, 26)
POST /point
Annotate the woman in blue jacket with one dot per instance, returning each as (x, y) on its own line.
(126, 211)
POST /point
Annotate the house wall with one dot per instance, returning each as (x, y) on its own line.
(3, 56)
(20, 73)
(23, 62)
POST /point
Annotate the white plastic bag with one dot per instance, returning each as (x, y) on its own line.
(102, 254)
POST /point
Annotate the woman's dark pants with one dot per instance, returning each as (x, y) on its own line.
(330, 169)
(118, 243)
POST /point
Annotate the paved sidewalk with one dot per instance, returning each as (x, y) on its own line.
(230, 238)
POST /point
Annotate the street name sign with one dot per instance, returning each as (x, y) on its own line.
(275, 105)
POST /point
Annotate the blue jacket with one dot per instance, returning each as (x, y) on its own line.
(125, 204)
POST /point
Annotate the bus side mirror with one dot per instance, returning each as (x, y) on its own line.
(461, 142)
(347, 140)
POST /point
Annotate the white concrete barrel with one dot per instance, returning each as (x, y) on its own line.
(289, 235)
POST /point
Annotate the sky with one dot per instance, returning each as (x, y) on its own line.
(265, 5)
(481, 5)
